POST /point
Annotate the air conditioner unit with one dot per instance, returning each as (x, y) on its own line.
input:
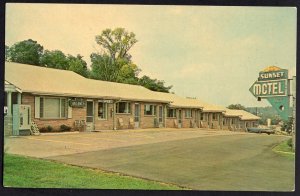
(21, 119)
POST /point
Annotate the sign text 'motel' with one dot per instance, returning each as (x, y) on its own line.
(272, 84)
(269, 88)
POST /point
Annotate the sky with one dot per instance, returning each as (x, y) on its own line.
(213, 53)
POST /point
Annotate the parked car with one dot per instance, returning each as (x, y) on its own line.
(260, 130)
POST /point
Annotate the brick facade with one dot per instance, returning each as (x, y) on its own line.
(146, 121)
(186, 122)
(103, 124)
(77, 114)
(231, 123)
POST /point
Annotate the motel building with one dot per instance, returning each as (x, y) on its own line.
(238, 120)
(52, 97)
(212, 116)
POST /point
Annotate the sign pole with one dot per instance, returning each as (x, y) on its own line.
(294, 112)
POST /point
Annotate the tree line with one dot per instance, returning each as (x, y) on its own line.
(113, 64)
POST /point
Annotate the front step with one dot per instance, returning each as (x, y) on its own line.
(24, 132)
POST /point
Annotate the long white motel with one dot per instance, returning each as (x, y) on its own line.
(52, 97)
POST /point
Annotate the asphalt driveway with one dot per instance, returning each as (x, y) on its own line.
(228, 162)
(197, 159)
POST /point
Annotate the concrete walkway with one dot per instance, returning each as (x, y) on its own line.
(55, 144)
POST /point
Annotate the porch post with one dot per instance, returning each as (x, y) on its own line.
(9, 113)
(165, 115)
(19, 98)
(114, 116)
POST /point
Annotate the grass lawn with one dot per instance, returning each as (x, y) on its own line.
(285, 149)
(26, 172)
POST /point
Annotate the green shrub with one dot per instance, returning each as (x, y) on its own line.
(46, 129)
(64, 128)
(49, 128)
(43, 129)
(290, 143)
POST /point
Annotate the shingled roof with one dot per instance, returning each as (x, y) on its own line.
(177, 101)
(242, 114)
(49, 81)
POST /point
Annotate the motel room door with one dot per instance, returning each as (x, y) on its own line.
(179, 119)
(136, 115)
(89, 115)
(160, 116)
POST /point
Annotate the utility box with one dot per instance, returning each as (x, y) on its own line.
(21, 119)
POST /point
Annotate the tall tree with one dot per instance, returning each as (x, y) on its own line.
(128, 72)
(103, 68)
(6, 53)
(115, 63)
(27, 52)
(154, 84)
(78, 65)
(236, 107)
(116, 42)
(55, 59)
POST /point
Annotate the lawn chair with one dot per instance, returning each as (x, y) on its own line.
(156, 123)
(121, 122)
(175, 123)
(79, 125)
(201, 124)
(131, 123)
(193, 124)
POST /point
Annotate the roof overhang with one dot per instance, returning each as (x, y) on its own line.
(250, 119)
(187, 107)
(9, 87)
(214, 111)
(232, 116)
(94, 96)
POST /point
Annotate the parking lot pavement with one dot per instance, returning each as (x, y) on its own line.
(62, 144)
(223, 162)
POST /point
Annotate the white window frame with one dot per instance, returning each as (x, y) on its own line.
(42, 111)
(149, 108)
(127, 107)
(188, 113)
(202, 116)
(173, 113)
(216, 116)
(105, 107)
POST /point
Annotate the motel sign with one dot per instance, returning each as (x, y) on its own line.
(272, 84)
(269, 88)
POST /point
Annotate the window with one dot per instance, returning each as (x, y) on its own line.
(201, 116)
(214, 116)
(171, 113)
(123, 108)
(188, 113)
(102, 110)
(149, 109)
(53, 108)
